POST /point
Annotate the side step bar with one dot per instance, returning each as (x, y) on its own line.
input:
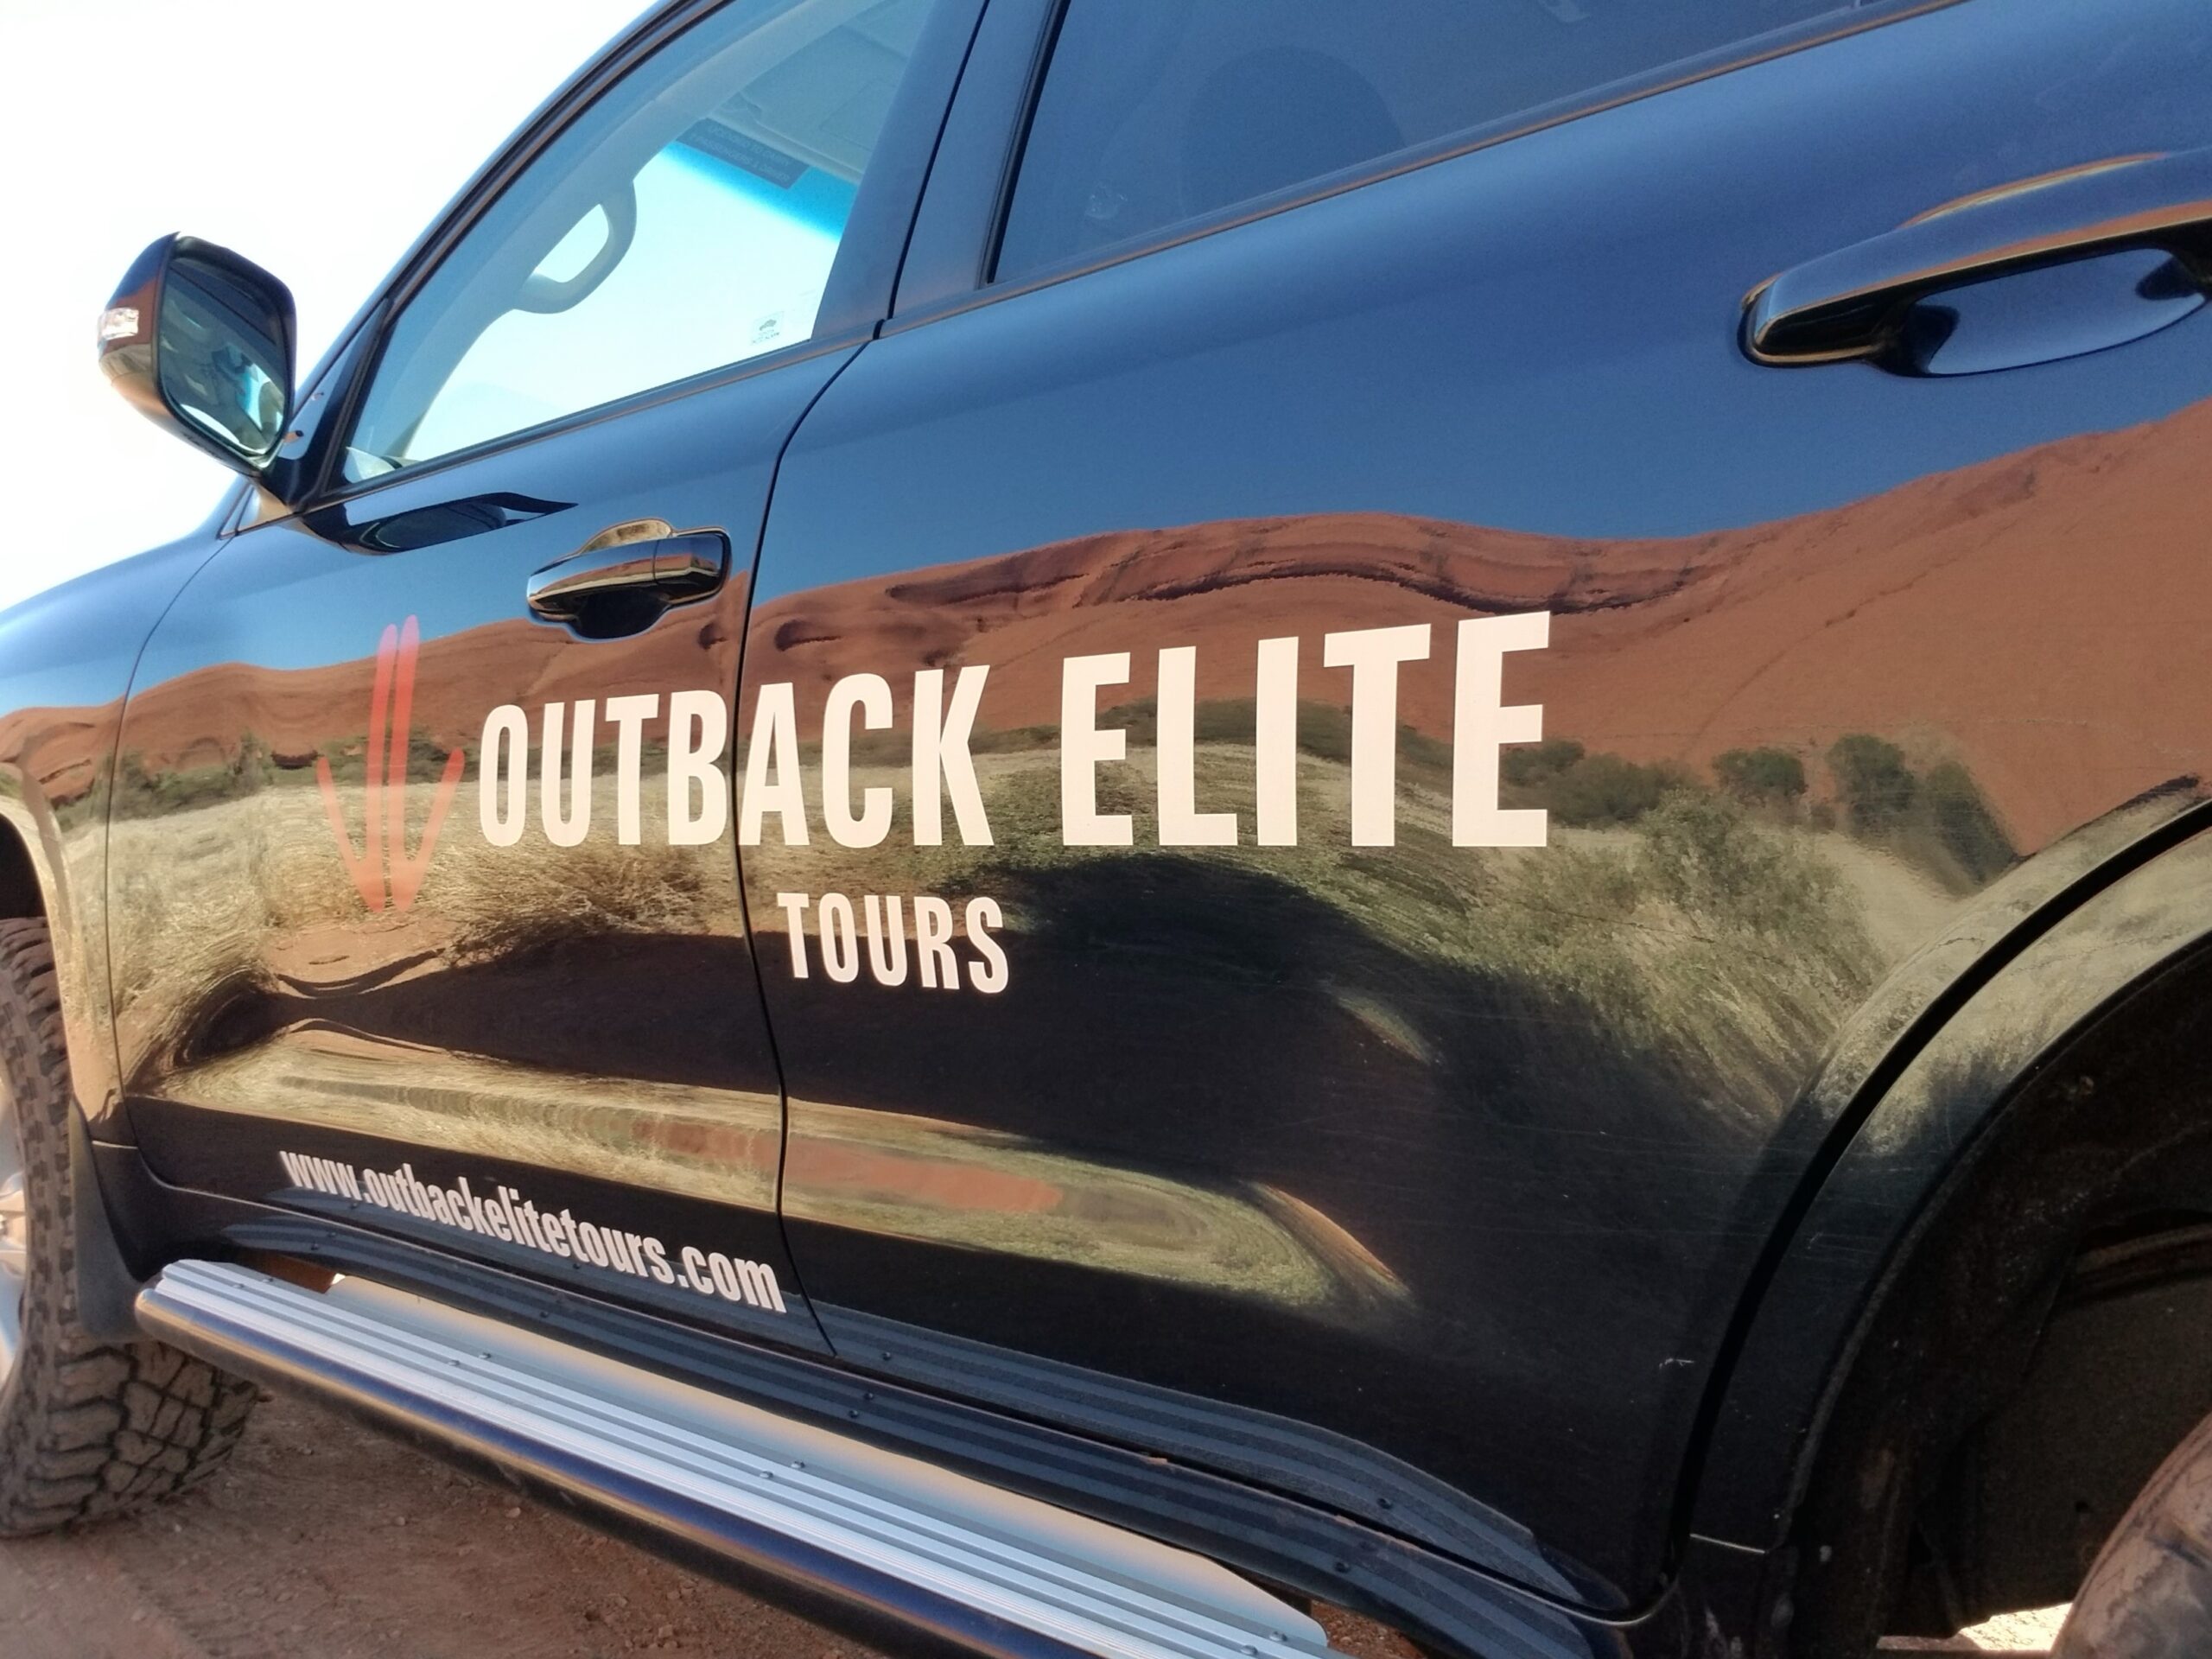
(982, 1569)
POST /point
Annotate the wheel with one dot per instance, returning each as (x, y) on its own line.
(87, 1428)
(2148, 1593)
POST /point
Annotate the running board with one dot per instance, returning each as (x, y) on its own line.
(985, 1570)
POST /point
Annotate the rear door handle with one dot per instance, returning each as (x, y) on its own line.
(1853, 303)
(646, 559)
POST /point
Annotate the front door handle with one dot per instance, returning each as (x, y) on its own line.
(1854, 303)
(634, 570)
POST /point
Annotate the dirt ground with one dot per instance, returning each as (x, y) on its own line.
(324, 1541)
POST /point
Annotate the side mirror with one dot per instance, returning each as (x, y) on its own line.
(200, 341)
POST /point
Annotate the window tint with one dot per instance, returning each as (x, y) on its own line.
(1154, 111)
(688, 221)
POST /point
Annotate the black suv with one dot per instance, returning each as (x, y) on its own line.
(1078, 822)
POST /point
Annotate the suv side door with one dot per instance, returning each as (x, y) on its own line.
(1327, 754)
(426, 910)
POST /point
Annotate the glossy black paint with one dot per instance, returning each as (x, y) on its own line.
(1419, 1147)
(587, 1009)
(1466, 1200)
(475, 1018)
(65, 663)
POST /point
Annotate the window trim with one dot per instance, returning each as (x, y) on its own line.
(981, 143)
(863, 278)
(950, 207)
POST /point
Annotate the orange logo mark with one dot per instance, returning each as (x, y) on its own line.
(386, 875)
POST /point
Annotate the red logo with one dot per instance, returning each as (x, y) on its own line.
(384, 873)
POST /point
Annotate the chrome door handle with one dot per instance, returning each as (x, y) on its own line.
(1853, 303)
(646, 559)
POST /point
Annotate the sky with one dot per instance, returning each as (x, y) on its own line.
(317, 137)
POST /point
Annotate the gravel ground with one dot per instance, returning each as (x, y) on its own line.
(324, 1541)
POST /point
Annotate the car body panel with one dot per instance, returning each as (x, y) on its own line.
(309, 944)
(1460, 1154)
(1401, 1170)
(347, 953)
(66, 658)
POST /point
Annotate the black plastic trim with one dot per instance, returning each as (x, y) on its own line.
(956, 223)
(960, 235)
(106, 1288)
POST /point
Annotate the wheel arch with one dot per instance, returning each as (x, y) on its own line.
(1911, 1120)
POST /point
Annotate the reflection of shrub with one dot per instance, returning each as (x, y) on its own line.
(503, 901)
(1584, 789)
(1704, 855)
(1939, 819)
(1603, 789)
(1526, 765)
(985, 740)
(1875, 784)
(140, 793)
(426, 761)
(1765, 776)
(1963, 821)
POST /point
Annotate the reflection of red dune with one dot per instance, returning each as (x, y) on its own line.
(197, 719)
(2042, 617)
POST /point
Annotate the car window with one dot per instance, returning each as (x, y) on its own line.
(688, 221)
(1155, 112)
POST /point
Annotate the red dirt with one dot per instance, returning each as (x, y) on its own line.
(322, 1540)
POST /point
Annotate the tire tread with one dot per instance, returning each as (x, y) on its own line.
(88, 1429)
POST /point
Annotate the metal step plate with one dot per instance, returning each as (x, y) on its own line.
(974, 1564)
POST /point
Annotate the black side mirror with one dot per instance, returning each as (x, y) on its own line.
(201, 341)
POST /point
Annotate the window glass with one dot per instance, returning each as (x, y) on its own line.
(687, 221)
(1154, 111)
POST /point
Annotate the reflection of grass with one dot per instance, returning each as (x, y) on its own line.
(500, 904)
(198, 894)
(1697, 935)
(224, 892)
(1687, 927)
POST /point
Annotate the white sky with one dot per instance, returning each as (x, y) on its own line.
(317, 137)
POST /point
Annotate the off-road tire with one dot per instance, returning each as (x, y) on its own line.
(2148, 1593)
(87, 1428)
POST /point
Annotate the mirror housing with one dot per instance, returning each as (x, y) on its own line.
(201, 341)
